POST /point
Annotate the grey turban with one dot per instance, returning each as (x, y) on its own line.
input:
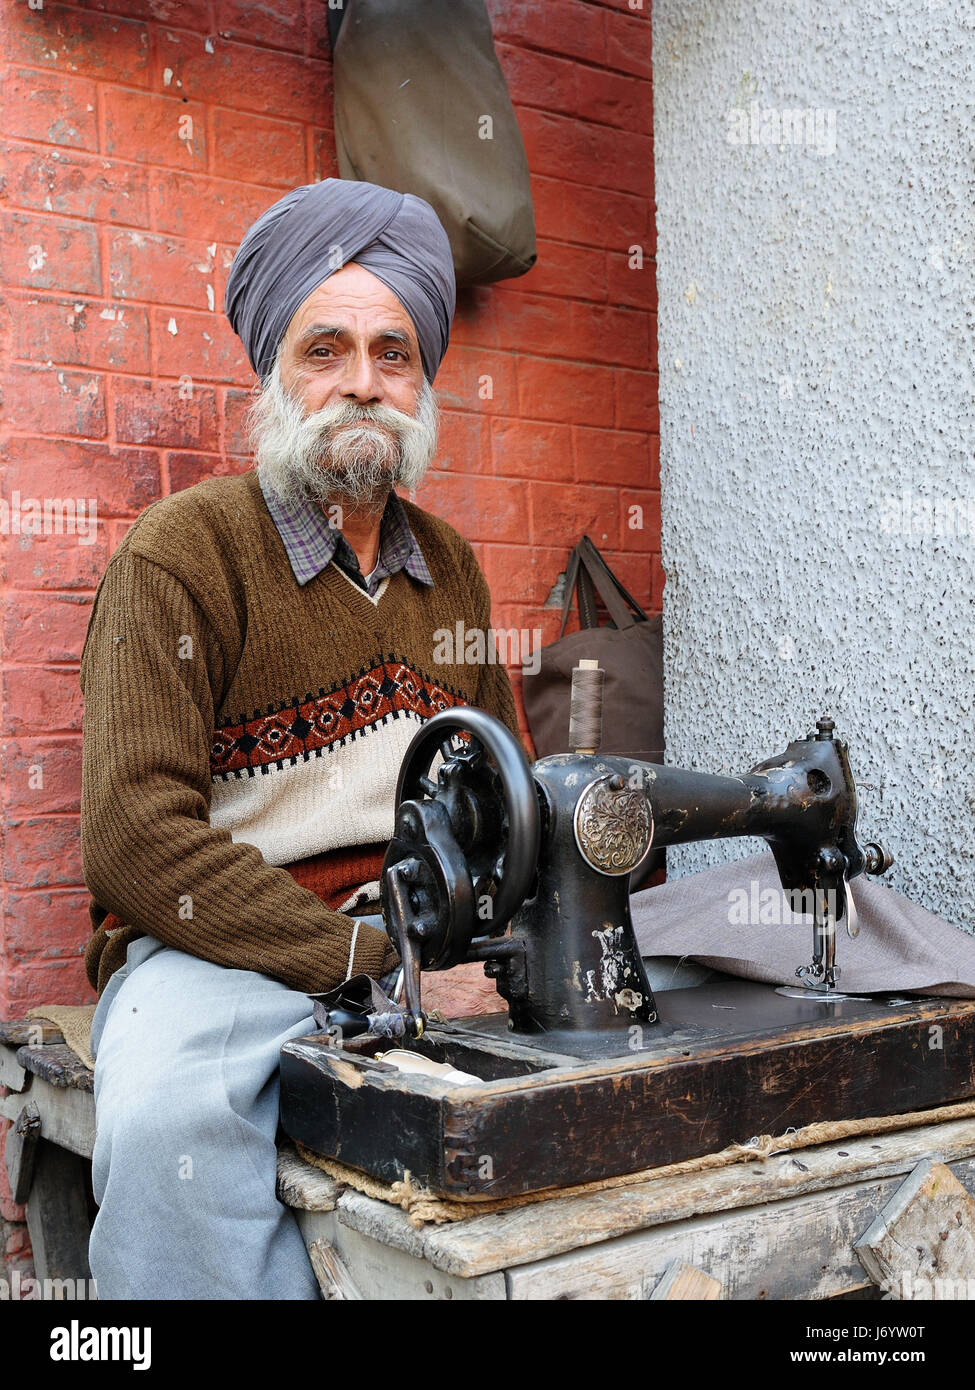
(314, 230)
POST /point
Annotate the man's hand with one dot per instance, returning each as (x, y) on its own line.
(460, 991)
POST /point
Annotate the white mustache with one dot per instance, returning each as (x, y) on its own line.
(346, 413)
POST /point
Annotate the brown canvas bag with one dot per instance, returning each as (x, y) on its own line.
(630, 651)
(418, 87)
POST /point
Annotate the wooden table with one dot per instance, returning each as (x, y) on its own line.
(780, 1228)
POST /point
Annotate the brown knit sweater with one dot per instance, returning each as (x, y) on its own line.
(236, 723)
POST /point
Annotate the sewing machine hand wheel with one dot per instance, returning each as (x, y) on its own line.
(465, 847)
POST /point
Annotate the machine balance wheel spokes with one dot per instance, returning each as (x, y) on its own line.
(467, 836)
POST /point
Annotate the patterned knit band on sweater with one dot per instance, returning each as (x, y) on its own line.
(243, 734)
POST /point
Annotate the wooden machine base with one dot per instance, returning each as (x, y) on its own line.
(725, 1062)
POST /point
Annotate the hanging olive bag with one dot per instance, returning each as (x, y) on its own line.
(421, 105)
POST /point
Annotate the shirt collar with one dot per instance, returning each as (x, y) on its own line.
(311, 542)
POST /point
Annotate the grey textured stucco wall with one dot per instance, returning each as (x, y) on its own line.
(816, 336)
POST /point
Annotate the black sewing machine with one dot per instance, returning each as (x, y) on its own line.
(585, 1074)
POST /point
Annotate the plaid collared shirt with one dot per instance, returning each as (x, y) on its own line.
(312, 542)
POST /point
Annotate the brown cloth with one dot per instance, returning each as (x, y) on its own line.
(75, 1021)
(901, 947)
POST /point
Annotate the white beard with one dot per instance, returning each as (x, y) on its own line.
(346, 452)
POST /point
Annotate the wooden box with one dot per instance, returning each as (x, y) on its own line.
(726, 1061)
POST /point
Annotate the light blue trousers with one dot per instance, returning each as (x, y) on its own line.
(186, 1111)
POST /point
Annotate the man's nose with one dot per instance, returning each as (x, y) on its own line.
(361, 379)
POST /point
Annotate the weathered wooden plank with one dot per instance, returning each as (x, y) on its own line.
(302, 1185)
(685, 1283)
(20, 1151)
(388, 1225)
(383, 1271)
(797, 1249)
(56, 1063)
(923, 1242)
(57, 1214)
(67, 1115)
(12, 1074)
(334, 1279)
(544, 1229)
(28, 1032)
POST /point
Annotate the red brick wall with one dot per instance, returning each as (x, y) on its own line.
(140, 138)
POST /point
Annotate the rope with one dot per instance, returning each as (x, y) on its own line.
(75, 1021)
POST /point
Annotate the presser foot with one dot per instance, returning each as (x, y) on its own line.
(816, 981)
(820, 992)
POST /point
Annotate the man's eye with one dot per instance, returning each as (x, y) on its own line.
(395, 354)
(321, 351)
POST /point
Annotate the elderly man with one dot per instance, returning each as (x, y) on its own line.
(259, 656)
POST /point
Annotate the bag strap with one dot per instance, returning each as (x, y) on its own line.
(586, 595)
(609, 588)
(578, 584)
(334, 20)
(588, 573)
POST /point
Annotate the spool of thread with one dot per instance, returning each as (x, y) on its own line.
(586, 707)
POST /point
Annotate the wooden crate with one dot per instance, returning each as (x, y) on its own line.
(727, 1061)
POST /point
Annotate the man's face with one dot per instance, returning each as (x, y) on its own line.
(352, 340)
(346, 411)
